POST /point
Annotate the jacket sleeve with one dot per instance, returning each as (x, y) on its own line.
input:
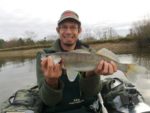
(90, 86)
(48, 95)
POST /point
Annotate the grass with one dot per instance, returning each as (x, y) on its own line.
(26, 47)
(49, 45)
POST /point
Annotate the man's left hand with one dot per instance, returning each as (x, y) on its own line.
(103, 68)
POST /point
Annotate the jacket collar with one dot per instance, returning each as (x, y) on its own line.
(57, 47)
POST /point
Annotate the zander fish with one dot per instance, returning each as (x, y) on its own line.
(82, 60)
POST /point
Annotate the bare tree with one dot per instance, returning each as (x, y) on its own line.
(141, 29)
(30, 34)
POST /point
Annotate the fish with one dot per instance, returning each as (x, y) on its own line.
(80, 60)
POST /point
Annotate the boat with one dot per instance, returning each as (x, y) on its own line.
(130, 101)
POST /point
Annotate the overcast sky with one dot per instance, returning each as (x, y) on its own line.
(41, 16)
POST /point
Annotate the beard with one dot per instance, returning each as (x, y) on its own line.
(69, 44)
(68, 41)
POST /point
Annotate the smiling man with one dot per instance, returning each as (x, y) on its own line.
(56, 91)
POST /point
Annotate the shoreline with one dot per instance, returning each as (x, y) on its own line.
(121, 47)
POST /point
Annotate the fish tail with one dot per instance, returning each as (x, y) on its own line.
(134, 69)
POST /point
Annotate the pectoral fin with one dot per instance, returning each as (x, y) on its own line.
(71, 74)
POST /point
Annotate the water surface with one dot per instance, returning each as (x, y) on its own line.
(14, 75)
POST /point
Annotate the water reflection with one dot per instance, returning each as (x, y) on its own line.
(144, 60)
(5, 62)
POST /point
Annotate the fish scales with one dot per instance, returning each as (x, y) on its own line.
(79, 61)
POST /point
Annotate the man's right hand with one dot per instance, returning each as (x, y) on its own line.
(51, 71)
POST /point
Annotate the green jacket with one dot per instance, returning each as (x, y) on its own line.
(69, 93)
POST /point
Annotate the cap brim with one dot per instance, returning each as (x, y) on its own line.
(69, 17)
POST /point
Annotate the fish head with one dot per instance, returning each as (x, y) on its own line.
(57, 59)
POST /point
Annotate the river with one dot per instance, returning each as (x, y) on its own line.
(20, 73)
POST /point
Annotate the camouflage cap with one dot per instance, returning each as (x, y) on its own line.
(68, 14)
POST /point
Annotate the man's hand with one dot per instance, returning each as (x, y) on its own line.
(104, 68)
(51, 71)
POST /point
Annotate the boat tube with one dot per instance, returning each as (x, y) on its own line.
(121, 96)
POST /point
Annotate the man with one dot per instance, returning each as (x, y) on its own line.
(55, 90)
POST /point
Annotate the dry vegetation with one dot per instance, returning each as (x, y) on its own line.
(117, 47)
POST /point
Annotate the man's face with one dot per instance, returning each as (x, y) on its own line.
(68, 32)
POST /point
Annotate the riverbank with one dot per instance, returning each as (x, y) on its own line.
(120, 47)
(31, 53)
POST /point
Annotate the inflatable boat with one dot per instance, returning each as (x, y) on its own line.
(128, 101)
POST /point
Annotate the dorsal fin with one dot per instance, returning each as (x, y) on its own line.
(107, 53)
(80, 51)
